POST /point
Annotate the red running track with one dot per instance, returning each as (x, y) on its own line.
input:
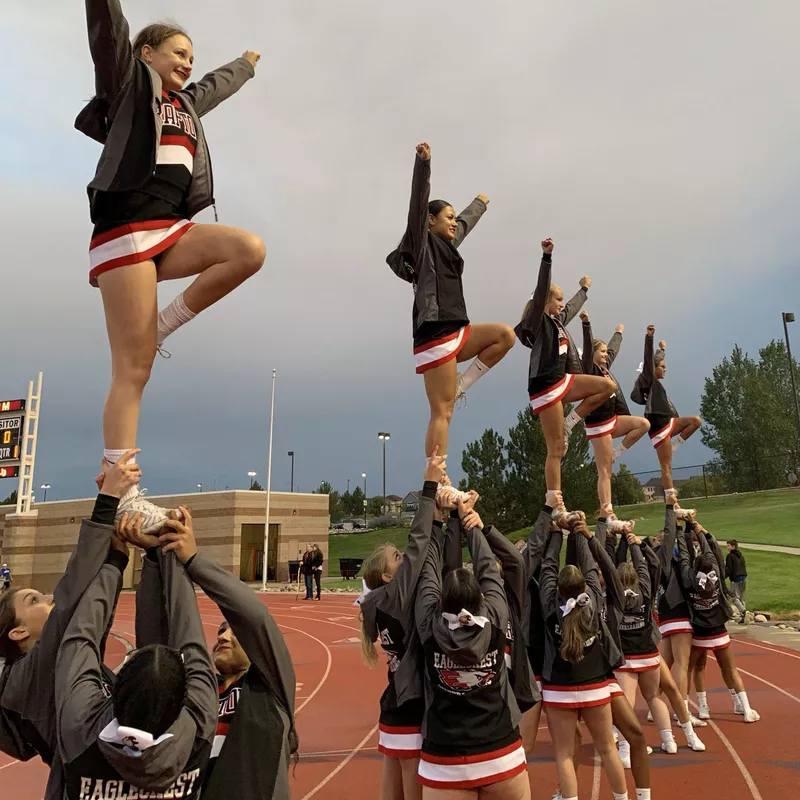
(337, 709)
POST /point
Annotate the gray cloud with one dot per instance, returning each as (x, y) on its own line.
(657, 145)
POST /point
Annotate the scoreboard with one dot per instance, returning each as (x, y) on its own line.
(12, 428)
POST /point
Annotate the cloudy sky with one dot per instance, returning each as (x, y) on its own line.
(656, 143)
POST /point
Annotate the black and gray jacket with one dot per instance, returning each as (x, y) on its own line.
(124, 115)
(636, 628)
(515, 584)
(533, 621)
(252, 760)
(616, 403)
(27, 699)
(432, 264)
(388, 611)
(671, 594)
(470, 706)
(595, 665)
(654, 573)
(648, 390)
(539, 332)
(98, 759)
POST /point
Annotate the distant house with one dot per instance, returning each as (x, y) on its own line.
(410, 503)
(653, 490)
(394, 504)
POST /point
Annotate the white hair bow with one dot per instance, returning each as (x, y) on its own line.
(365, 590)
(640, 368)
(463, 620)
(581, 600)
(630, 593)
(704, 578)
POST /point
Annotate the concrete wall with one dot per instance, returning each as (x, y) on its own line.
(37, 547)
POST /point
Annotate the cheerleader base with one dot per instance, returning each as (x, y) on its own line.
(644, 663)
(469, 772)
(396, 742)
(581, 696)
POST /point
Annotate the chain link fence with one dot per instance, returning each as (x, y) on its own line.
(717, 477)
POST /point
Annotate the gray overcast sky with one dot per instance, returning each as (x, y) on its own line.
(656, 143)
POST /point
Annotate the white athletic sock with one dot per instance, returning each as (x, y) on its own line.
(617, 453)
(702, 699)
(473, 373)
(172, 317)
(623, 796)
(677, 442)
(687, 727)
(112, 456)
(571, 421)
(666, 736)
(642, 794)
(742, 697)
(624, 748)
(688, 710)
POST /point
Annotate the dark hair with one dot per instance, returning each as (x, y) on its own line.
(706, 562)
(435, 207)
(461, 590)
(150, 689)
(575, 631)
(155, 35)
(8, 621)
(733, 543)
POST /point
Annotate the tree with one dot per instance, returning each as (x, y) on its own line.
(697, 485)
(484, 463)
(335, 509)
(257, 487)
(748, 413)
(11, 500)
(625, 488)
(375, 506)
(356, 508)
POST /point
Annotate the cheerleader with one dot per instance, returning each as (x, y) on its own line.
(32, 626)
(428, 258)
(387, 606)
(550, 385)
(710, 612)
(152, 731)
(612, 419)
(470, 733)
(576, 668)
(660, 412)
(153, 176)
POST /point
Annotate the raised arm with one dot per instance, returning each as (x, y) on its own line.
(648, 367)
(686, 571)
(151, 620)
(528, 327)
(469, 218)
(537, 540)
(110, 46)
(485, 568)
(515, 578)
(613, 346)
(575, 303)
(452, 545)
(82, 706)
(587, 357)
(429, 588)
(214, 87)
(588, 563)
(417, 229)
(642, 571)
(548, 575)
(668, 543)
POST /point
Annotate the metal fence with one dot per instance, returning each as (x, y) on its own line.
(759, 473)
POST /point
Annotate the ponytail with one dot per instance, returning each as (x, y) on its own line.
(369, 655)
(573, 637)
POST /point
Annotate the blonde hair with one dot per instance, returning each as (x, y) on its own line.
(597, 343)
(627, 575)
(372, 571)
(554, 287)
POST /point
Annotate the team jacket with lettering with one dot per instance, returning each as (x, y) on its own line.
(648, 391)
(616, 403)
(636, 628)
(27, 703)
(654, 574)
(540, 332)
(124, 115)
(515, 583)
(594, 666)
(706, 612)
(95, 765)
(671, 594)
(433, 264)
(469, 704)
(388, 611)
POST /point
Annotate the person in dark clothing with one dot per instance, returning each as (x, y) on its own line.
(660, 412)
(736, 573)
(32, 626)
(152, 730)
(428, 257)
(308, 571)
(552, 379)
(153, 176)
(5, 577)
(316, 564)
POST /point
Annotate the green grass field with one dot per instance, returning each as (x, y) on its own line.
(760, 518)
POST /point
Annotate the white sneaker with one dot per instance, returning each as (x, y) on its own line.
(461, 395)
(134, 501)
(669, 747)
(558, 795)
(704, 712)
(696, 723)
(649, 750)
(615, 733)
(738, 708)
(626, 761)
(752, 716)
(618, 526)
(564, 518)
(694, 742)
(447, 496)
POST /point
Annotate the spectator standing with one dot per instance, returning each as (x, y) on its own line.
(5, 577)
(736, 573)
(308, 571)
(316, 562)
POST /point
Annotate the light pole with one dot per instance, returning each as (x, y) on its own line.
(789, 317)
(364, 476)
(199, 487)
(45, 486)
(348, 486)
(384, 437)
(291, 480)
(252, 476)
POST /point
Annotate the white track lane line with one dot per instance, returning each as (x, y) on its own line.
(761, 647)
(10, 764)
(748, 778)
(331, 775)
(766, 682)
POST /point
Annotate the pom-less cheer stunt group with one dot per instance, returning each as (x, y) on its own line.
(474, 655)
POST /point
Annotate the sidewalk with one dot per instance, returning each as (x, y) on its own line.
(771, 548)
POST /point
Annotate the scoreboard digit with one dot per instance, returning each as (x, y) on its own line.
(10, 435)
(9, 472)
